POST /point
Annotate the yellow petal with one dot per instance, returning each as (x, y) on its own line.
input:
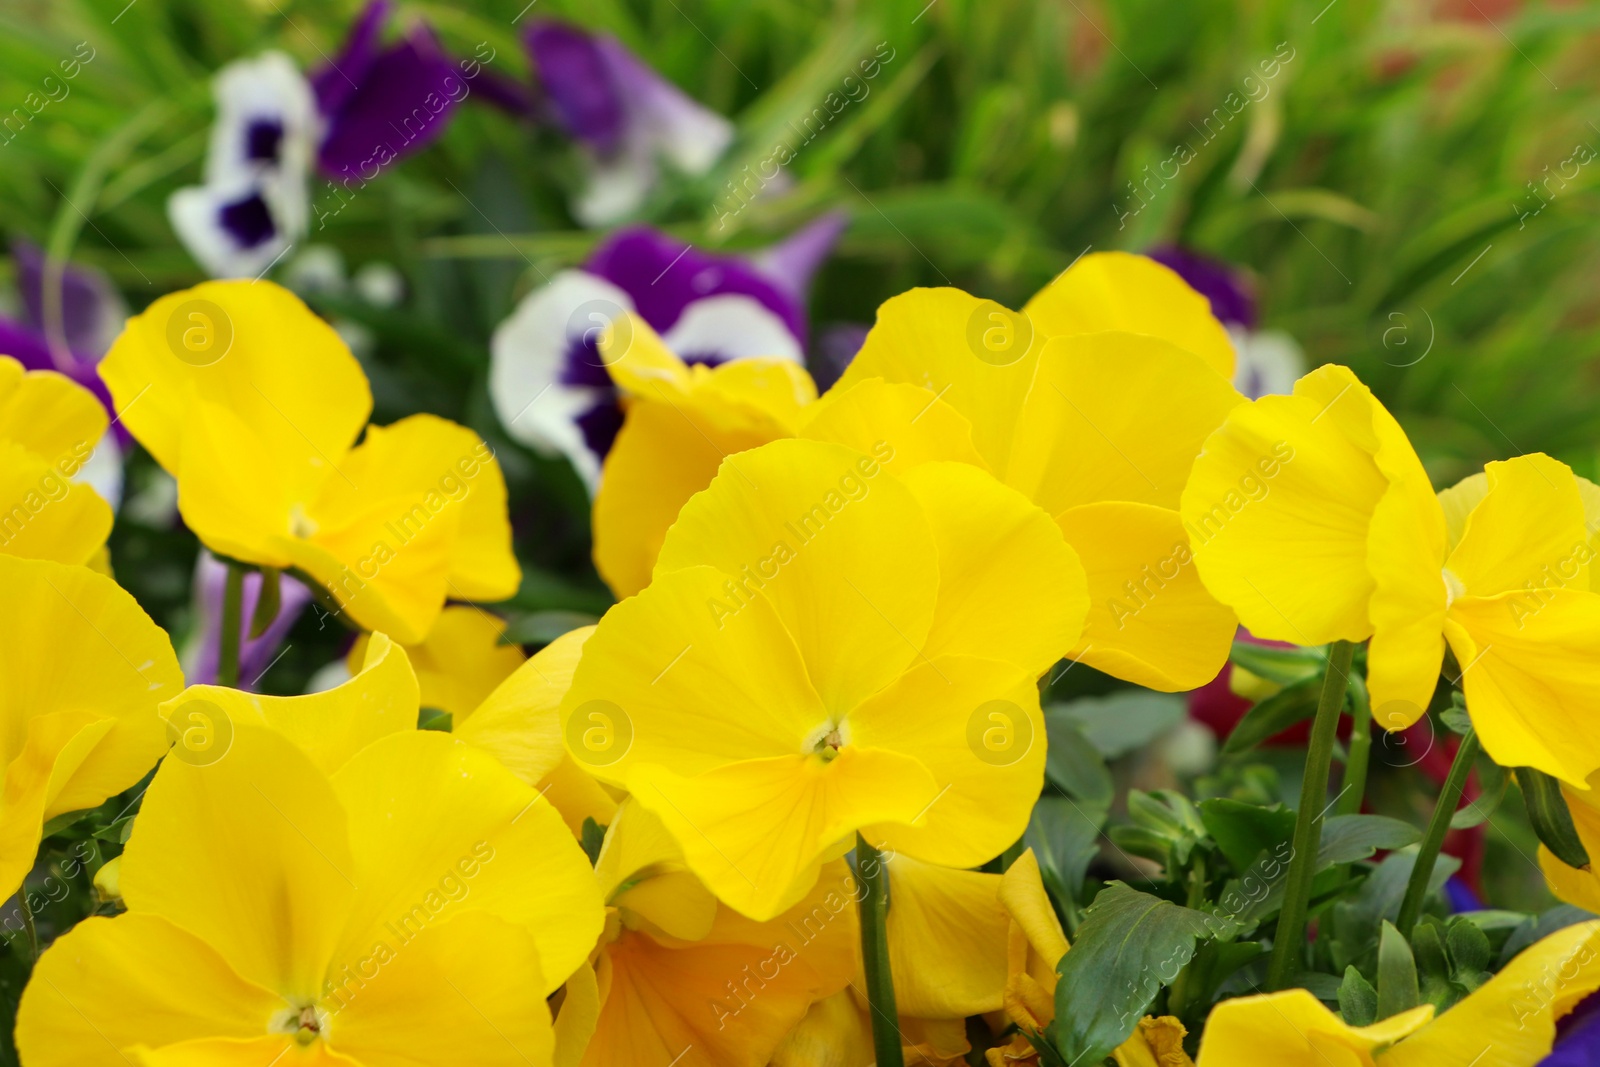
(519, 723)
(330, 726)
(1119, 291)
(842, 552)
(1406, 543)
(834, 1033)
(934, 338)
(1158, 1042)
(439, 828)
(975, 725)
(1529, 678)
(1115, 416)
(78, 652)
(756, 832)
(779, 387)
(577, 796)
(1581, 889)
(241, 1052)
(110, 984)
(1023, 895)
(673, 676)
(1510, 1020)
(249, 854)
(1279, 505)
(1458, 501)
(947, 940)
(50, 415)
(43, 515)
(1527, 535)
(283, 371)
(1294, 1029)
(1150, 621)
(57, 744)
(459, 663)
(1010, 587)
(578, 1017)
(902, 425)
(237, 493)
(666, 452)
(639, 361)
(466, 990)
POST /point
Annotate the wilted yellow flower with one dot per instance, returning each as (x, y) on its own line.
(418, 905)
(829, 647)
(49, 426)
(82, 669)
(1509, 1021)
(1314, 519)
(254, 405)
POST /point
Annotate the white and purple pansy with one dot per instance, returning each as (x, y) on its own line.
(1269, 361)
(373, 104)
(89, 314)
(626, 117)
(549, 386)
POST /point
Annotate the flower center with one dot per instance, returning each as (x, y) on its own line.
(1454, 588)
(827, 739)
(305, 1023)
(301, 525)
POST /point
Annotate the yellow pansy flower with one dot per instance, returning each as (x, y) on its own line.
(1509, 1021)
(680, 977)
(1092, 401)
(417, 905)
(1313, 518)
(254, 405)
(49, 426)
(837, 1032)
(461, 660)
(1035, 944)
(828, 647)
(519, 723)
(682, 421)
(82, 669)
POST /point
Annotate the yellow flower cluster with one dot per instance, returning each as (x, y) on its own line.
(836, 614)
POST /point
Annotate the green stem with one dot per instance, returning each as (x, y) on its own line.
(1355, 768)
(232, 623)
(1288, 944)
(873, 903)
(1438, 826)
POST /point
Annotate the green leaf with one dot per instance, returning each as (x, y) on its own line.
(1244, 831)
(594, 835)
(1074, 766)
(1358, 1001)
(1065, 837)
(542, 627)
(1286, 666)
(434, 719)
(1470, 951)
(1552, 822)
(1117, 724)
(1397, 974)
(1492, 781)
(1347, 838)
(1428, 948)
(1129, 946)
(1273, 715)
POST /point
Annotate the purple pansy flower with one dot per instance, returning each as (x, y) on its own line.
(626, 117)
(548, 384)
(92, 314)
(1269, 361)
(255, 654)
(1577, 1036)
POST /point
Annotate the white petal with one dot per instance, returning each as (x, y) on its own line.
(102, 471)
(268, 87)
(1269, 361)
(731, 326)
(195, 214)
(613, 189)
(528, 353)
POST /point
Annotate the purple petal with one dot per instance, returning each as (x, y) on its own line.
(664, 275)
(400, 107)
(793, 261)
(1230, 292)
(1577, 1036)
(578, 84)
(255, 654)
(91, 311)
(337, 83)
(505, 93)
